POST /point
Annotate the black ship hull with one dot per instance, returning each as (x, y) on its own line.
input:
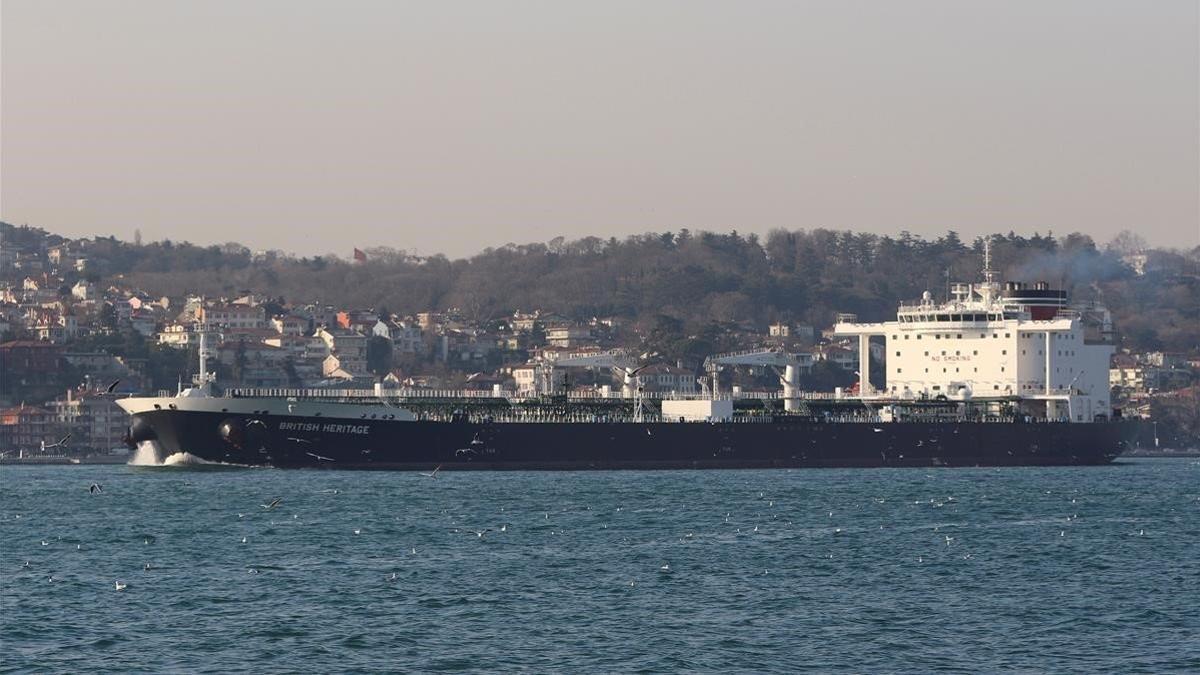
(324, 442)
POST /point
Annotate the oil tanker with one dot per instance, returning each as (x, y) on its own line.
(996, 375)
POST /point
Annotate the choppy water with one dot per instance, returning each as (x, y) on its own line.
(1065, 569)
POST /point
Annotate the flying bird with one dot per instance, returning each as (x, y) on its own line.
(434, 473)
(95, 488)
(273, 504)
(120, 586)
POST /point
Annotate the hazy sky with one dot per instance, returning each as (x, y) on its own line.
(316, 126)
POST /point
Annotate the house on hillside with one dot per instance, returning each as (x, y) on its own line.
(232, 316)
(24, 428)
(348, 346)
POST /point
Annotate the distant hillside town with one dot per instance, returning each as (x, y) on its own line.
(83, 321)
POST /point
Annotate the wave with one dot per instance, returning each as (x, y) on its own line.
(151, 454)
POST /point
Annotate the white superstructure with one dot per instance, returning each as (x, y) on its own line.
(1016, 343)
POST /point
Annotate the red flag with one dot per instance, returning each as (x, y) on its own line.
(359, 256)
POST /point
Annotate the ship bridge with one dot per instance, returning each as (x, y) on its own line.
(1018, 343)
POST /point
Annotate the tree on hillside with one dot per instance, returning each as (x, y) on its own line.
(379, 355)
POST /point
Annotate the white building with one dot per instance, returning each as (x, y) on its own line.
(84, 291)
(1021, 344)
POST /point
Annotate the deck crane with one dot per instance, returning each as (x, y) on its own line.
(774, 358)
(618, 360)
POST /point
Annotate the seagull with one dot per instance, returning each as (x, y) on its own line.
(949, 539)
(358, 530)
(120, 586)
(243, 540)
(147, 568)
(434, 473)
(320, 457)
(504, 528)
(251, 570)
(665, 568)
(273, 504)
(1062, 533)
(393, 577)
(94, 488)
(1140, 533)
(45, 543)
(112, 386)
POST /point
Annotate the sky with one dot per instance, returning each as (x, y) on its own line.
(317, 126)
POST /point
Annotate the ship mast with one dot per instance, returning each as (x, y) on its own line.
(987, 290)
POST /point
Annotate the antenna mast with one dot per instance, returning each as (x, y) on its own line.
(988, 289)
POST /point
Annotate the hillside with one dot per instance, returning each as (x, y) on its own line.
(679, 281)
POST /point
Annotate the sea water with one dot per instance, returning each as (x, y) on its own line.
(1082, 569)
